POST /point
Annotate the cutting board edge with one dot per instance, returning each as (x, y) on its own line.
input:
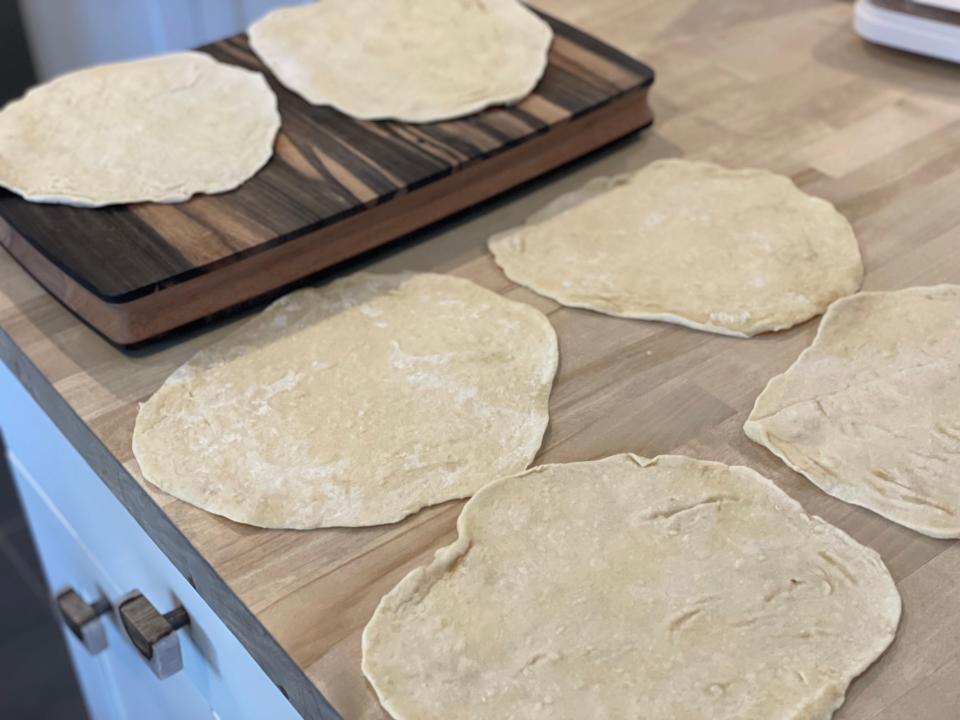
(133, 321)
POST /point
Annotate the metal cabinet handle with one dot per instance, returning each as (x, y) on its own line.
(83, 618)
(153, 634)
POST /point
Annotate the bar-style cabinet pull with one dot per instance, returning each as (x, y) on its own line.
(152, 633)
(83, 618)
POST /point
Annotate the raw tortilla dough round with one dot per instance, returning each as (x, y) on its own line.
(632, 588)
(870, 412)
(160, 130)
(413, 60)
(735, 252)
(357, 403)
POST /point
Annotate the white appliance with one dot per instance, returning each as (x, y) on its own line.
(69, 34)
(928, 27)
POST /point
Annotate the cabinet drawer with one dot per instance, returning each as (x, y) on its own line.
(125, 559)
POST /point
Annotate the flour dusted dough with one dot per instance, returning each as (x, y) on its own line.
(736, 252)
(870, 412)
(632, 588)
(160, 129)
(357, 403)
(414, 60)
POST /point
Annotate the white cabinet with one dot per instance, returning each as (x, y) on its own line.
(68, 34)
(116, 683)
(88, 541)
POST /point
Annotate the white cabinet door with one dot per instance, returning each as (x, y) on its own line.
(116, 683)
(86, 539)
(68, 34)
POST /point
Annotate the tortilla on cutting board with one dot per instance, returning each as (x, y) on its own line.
(413, 60)
(161, 129)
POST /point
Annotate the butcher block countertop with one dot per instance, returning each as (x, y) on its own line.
(780, 84)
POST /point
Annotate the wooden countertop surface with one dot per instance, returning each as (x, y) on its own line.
(776, 83)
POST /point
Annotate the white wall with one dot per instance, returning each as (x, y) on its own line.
(67, 34)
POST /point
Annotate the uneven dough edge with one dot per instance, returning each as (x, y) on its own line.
(258, 44)
(498, 246)
(419, 581)
(655, 317)
(541, 407)
(230, 511)
(755, 429)
(83, 202)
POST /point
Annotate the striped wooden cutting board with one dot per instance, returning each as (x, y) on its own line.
(336, 188)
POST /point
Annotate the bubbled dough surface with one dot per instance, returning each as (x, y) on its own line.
(627, 588)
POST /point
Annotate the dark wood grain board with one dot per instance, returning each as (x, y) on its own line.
(336, 187)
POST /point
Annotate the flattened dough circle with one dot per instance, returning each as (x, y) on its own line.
(357, 403)
(413, 60)
(160, 130)
(735, 252)
(627, 588)
(870, 412)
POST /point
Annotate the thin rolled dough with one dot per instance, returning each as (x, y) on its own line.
(357, 403)
(870, 412)
(632, 588)
(413, 60)
(735, 252)
(160, 130)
